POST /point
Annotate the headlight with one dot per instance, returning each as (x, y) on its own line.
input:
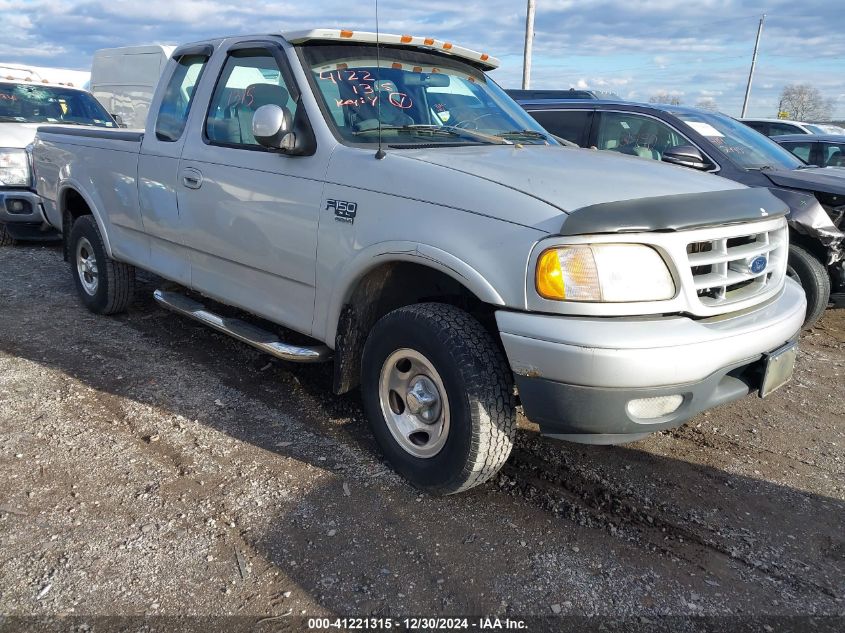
(14, 168)
(603, 272)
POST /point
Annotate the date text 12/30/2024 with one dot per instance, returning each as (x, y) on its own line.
(417, 624)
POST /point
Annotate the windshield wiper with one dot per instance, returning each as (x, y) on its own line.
(527, 133)
(448, 130)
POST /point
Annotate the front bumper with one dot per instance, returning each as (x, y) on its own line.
(576, 375)
(22, 213)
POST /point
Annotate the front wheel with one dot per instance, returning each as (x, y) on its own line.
(438, 394)
(808, 271)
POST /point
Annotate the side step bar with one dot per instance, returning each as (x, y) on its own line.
(266, 341)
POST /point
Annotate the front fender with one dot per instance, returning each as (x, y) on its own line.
(405, 251)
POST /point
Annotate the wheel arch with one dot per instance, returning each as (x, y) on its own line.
(394, 277)
(73, 202)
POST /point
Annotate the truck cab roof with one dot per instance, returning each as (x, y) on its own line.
(483, 60)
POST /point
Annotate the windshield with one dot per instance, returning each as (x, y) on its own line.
(415, 97)
(739, 143)
(32, 103)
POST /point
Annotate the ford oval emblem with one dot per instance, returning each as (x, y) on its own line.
(758, 264)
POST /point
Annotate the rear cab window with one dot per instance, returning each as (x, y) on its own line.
(178, 97)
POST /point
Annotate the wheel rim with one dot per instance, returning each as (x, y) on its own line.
(414, 403)
(86, 266)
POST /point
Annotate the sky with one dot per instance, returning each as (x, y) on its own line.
(695, 50)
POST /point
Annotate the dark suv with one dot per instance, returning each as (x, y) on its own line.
(716, 143)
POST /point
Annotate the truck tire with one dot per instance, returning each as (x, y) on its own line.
(105, 286)
(438, 394)
(804, 268)
(5, 237)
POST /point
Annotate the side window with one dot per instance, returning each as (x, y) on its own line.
(176, 103)
(250, 79)
(801, 150)
(833, 155)
(568, 124)
(776, 129)
(636, 135)
(760, 126)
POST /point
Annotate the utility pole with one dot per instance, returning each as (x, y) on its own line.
(753, 64)
(529, 43)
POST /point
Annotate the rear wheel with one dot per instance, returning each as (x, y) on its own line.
(804, 268)
(105, 286)
(439, 397)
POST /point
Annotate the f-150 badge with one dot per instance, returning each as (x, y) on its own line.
(344, 211)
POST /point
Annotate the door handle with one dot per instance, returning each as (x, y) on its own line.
(192, 178)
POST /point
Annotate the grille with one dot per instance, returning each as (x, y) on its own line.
(729, 269)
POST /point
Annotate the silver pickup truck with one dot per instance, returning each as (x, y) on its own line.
(390, 203)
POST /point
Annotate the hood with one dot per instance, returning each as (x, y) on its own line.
(570, 178)
(825, 179)
(17, 134)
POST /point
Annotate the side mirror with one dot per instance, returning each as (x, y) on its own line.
(118, 119)
(686, 156)
(272, 127)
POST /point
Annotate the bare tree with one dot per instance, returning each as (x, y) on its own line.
(803, 102)
(665, 97)
(708, 103)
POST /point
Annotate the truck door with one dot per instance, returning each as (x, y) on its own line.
(249, 215)
(158, 163)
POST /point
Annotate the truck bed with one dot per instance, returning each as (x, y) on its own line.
(100, 163)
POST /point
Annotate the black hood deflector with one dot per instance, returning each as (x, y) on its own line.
(675, 213)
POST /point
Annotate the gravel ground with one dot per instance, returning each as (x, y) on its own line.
(151, 466)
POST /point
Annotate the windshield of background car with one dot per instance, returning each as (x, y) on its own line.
(741, 144)
(32, 103)
(415, 97)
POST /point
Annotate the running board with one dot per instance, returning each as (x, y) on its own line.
(266, 341)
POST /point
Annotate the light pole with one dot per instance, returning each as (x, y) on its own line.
(753, 64)
(529, 43)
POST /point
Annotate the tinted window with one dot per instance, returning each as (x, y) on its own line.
(176, 103)
(801, 150)
(249, 80)
(760, 126)
(833, 155)
(568, 124)
(776, 129)
(636, 135)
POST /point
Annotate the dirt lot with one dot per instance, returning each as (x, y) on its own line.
(151, 466)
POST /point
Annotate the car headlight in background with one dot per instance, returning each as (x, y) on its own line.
(603, 272)
(14, 168)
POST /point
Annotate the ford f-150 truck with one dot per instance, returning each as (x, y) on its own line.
(387, 204)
